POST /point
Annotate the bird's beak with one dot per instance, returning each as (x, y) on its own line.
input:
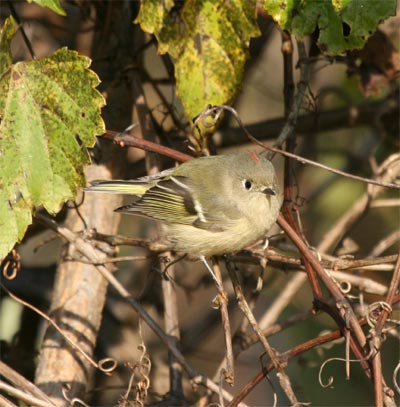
(269, 191)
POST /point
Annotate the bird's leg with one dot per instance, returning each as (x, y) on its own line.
(208, 267)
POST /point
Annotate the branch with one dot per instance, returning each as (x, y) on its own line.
(24, 384)
(285, 356)
(309, 123)
(222, 302)
(95, 256)
(293, 104)
(290, 354)
(123, 140)
(388, 172)
(283, 378)
(23, 396)
(346, 310)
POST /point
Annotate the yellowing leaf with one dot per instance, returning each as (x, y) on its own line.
(53, 5)
(50, 114)
(7, 33)
(152, 15)
(208, 40)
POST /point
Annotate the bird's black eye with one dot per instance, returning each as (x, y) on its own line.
(247, 184)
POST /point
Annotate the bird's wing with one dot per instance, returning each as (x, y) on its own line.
(172, 200)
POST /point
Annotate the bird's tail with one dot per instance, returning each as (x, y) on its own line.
(119, 187)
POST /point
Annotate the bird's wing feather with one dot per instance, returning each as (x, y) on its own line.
(169, 200)
(172, 200)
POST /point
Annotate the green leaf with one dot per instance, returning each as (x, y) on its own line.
(343, 24)
(50, 114)
(152, 14)
(208, 40)
(281, 11)
(7, 33)
(51, 4)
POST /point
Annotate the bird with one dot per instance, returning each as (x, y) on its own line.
(211, 205)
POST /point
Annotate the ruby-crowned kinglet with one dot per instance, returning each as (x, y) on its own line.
(211, 205)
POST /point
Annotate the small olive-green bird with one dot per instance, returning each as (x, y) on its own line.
(211, 205)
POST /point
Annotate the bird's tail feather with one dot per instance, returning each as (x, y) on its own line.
(119, 187)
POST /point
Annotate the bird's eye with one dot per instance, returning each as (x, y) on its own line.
(247, 184)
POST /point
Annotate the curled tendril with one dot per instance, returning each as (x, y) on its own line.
(12, 266)
(145, 362)
(345, 287)
(142, 368)
(213, 112)
(330, 379)
(72, 402)
(374, 310)
(395, 373)
(107, 365)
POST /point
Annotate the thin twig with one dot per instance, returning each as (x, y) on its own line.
(363, 114)
(293, 104)
(288, 135)
(347, 264)
(334, 290)
(378, 382)
(106, 370)
(123, 140)
(4, 402)
(364, 284)
(285, 356)
(119, 240)
(335, 263)
(222, 302)
(385, 203)
(281, 302)
(303, 160)
(393, 289)
(388, 171)
(385, 243)
(280, 372)
(251, 338)
(110, 260)
(21, 382)
(23, 396)
(172, 329)
(24, 36)
(127, 140)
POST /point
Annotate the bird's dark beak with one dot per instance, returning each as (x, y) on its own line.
(269, 191)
